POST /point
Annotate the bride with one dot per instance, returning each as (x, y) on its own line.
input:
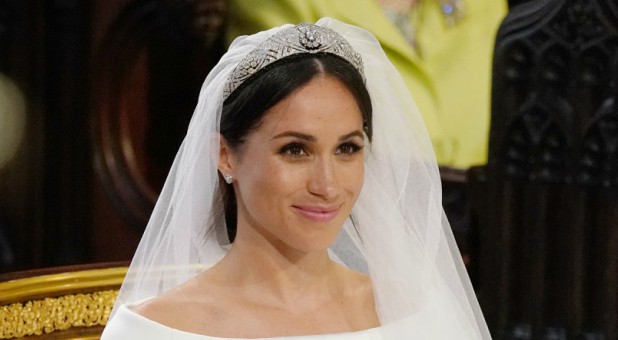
(304, 202)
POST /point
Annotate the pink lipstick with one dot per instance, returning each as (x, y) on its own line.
(318, 213)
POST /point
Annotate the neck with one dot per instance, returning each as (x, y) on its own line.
(273, 271)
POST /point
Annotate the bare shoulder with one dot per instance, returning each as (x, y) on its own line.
(188, 307)
(163, 308)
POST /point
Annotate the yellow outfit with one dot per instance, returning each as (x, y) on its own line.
(448, 73)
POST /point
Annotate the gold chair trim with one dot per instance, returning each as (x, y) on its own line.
(56, 314)
(58, 284)
(56, 302)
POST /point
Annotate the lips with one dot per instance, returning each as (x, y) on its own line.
(318, 213)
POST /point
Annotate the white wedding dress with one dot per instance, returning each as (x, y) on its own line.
(127, 324)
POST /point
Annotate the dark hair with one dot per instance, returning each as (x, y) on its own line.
(244, 109)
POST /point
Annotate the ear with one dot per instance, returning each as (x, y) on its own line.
(226, 157)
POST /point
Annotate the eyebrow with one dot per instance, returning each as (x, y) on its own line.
(311, 138)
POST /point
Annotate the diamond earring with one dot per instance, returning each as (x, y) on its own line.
(228, 178)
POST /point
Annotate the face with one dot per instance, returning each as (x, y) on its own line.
(300, 171)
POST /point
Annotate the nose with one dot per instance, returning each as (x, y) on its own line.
(323, 180)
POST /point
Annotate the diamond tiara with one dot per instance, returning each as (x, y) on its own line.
(300, 39)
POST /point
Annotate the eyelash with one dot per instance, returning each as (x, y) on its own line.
(288, 149)
(296, 150)
(351, 146)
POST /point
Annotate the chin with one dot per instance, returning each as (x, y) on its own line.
(318, 237)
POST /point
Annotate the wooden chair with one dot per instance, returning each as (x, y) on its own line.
(60, 303)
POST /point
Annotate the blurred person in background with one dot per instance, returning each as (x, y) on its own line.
(442, 48)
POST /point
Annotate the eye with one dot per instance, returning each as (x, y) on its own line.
(349, 148)
(293, 150)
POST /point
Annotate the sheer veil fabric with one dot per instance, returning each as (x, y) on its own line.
(400, 236)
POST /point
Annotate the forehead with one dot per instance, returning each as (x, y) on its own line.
(323, 104)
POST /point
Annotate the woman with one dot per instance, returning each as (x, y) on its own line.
(300, 130)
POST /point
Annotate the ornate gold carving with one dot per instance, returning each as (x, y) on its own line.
(54, 314)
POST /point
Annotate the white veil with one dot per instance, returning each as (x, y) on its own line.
(400, 235)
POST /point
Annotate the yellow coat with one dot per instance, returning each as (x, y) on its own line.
(448, 74)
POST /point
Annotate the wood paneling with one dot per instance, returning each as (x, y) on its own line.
(109, 88)
(549, 242)
(147, 69)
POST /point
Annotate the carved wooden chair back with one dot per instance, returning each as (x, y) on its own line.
(549, 216)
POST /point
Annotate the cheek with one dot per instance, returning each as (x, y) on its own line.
(267, 182)
(356, 177)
